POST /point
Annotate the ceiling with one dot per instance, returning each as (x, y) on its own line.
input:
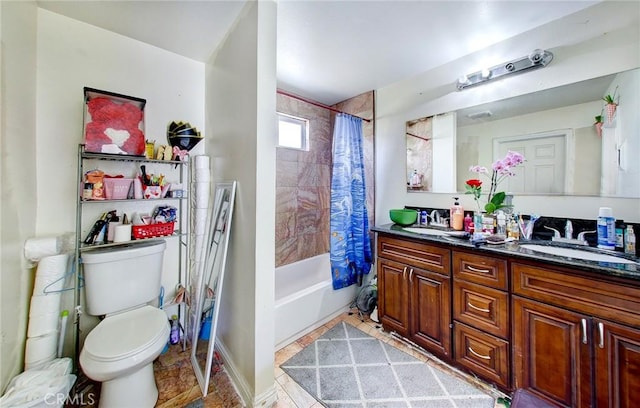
(330, 50)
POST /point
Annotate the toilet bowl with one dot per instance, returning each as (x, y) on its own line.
(120, 282)
(119, 352)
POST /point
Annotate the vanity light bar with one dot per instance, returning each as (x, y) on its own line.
(537, 59)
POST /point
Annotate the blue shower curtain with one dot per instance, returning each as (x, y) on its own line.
(350, 254)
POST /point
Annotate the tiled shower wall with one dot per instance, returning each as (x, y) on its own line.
(303, 179)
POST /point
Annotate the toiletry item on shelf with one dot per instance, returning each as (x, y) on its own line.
(606, 229)
(424, 219)
(501, 226)
(513, 231)
(174, 337)
(620, 229)
(630, 241)
(468, 222)
(456, 215)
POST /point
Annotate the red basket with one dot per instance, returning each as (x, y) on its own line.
(152, 230)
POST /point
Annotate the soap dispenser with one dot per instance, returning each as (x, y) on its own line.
(456, 215)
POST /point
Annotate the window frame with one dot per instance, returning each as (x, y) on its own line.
(304, 131)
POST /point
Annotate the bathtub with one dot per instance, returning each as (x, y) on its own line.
(305, 299)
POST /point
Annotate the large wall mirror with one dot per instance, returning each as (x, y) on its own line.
(211, 284)
(553, 128)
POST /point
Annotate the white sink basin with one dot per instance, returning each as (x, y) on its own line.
(576, 254)
(425, 231)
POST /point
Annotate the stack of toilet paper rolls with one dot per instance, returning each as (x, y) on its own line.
(44, 312)
(200, 212)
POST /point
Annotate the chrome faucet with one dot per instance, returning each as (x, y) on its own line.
(568, 235)
(437, 220)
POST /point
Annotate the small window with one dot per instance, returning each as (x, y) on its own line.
(292, 132)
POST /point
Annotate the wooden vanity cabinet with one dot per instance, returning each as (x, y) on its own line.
(576, 339)
(414, 292)
(481, 316)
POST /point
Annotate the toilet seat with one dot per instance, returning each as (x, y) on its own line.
(126, 334)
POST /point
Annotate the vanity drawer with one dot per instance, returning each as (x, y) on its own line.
(484, 308)
(430, 257)
(483, 354)
(485, 270)
(601, 297)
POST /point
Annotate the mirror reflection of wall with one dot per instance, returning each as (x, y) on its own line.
(583, 163)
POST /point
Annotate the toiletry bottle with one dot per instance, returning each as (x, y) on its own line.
(630, 241)
(513, 231)
(458, 219)
(620, 230)
(501, 223)
(468, 223)
(174, 337)
(424, 220)
(606, 229)
(452, 215)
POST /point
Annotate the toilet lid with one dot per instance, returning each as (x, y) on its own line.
(125, 334)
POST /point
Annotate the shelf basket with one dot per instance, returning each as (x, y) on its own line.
(152, 230)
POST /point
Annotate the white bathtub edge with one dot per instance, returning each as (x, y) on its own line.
(311, 328)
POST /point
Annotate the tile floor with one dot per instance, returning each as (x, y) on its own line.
(291, 395)
(178, 386)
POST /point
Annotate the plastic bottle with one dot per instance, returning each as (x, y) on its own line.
(606, 229)
(501, 223)
(456, 209)
(630, 241)
(174, 337)
(620, 230)
(468, 223)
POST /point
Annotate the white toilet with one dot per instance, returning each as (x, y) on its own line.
(119, 282)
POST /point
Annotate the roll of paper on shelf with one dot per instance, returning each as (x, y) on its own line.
(63, 328)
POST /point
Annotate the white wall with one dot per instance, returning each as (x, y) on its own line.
(17, 178)
(582, 51)
(241, 129)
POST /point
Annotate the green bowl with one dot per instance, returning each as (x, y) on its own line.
(403, 217)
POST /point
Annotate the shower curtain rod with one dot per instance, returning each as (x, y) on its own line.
(419, 137)
(318, 104)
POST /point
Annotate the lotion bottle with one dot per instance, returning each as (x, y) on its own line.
(606, 229)
(630, 241)
(456, 209)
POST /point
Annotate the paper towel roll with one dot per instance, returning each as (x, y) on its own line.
(201, 189)
(200, 201)
(201, 162)
(37, 248)
(202, 175)
(50, 274)
(122, 233)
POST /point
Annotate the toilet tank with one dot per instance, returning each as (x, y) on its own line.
(120, 277)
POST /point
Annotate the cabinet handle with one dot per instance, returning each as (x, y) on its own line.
(404, 273)
(478, 355)
(478, 308)
(601, 333)
(410, 274)
(472, 269)
(584, 331)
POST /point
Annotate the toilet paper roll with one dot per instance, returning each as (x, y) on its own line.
(40, 349)
(43, 324)
(201, 162)
(111, 231)
(37, 248)
(50, 274)
(200, 201)
(122, 233)
(202, 175)
(43, 304)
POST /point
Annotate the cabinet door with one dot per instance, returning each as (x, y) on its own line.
(393, 296)
(617, 367)
(431, 311)
(551, 353)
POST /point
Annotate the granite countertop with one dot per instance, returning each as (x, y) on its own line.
(513, 249)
